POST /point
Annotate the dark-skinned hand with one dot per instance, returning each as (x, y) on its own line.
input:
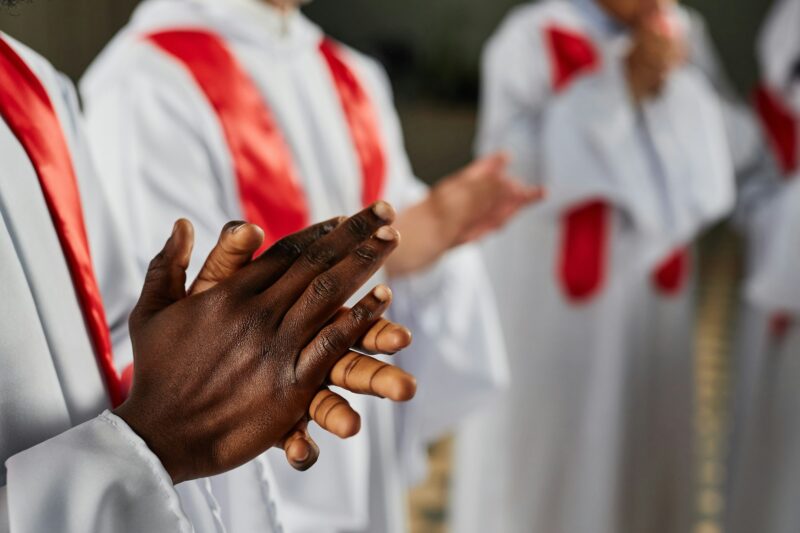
(355, 372)
(223, 375)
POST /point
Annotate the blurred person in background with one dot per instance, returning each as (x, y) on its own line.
(608, 104)
(257, 328)
(214, 109)
(765, 458)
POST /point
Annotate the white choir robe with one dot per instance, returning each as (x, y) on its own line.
(596, 430)
(161, 148)
(69, 465)
(763, 493)
(762, 479)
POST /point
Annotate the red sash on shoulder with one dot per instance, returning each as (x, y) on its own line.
(363, 122)
(781, 127)
(270, 190)
(29, 113)
(572, 54)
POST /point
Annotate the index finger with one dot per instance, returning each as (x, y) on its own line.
(329, 250)
(273, 263)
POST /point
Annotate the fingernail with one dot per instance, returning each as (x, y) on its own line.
(382, 293)
(175, 228)
(386, 233)
(236, 226)
(383, 211)
(304, 457)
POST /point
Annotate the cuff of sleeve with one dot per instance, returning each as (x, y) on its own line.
(99, 476)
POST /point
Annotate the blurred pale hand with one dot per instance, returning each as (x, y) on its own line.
(462, 208)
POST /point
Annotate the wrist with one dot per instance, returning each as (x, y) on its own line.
(152, 437)
(444, 214)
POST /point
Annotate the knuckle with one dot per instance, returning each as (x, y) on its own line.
(157, 263)
(367, 255)
(324, 287)
(320, 256)
(359, 227)
(332, 341)
(362, 313)
(289, 246)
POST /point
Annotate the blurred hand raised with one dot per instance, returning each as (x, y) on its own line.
(464, 207)
(657, 50)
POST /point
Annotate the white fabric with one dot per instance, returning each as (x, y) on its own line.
(776, 284)
(595, 433)
(762, 479)
(98, 476)
(164, 155)
(779, 51)
(763, 496)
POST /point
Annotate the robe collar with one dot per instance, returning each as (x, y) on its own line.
(273, 21)
(251, 21)
(599, 20)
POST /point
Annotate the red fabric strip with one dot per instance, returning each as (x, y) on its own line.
(270, 192)
(671, 276)
(29, 113)
(363, 122)
(572, 54)
(582, 268)
(781, 127)
(779, 325)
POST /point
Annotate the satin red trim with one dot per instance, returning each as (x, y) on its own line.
(584, 250)
(781, 127)
(270, 191)
(29, 113)
(672, 275)
(362, 120)
(571, 53)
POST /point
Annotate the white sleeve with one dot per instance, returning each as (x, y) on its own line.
(162, 154)
(515, 86)
(458, 354)
(97, 477)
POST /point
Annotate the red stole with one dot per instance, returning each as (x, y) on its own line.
(270, 191)
(571, 55)
(29, 113)
(584, 249)
(781, 128)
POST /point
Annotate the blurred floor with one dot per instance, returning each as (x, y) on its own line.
(439, 140)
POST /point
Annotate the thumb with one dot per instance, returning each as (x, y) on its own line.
(234, 251)
(165, 282)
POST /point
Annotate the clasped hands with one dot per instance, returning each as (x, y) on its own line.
(242, 361)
